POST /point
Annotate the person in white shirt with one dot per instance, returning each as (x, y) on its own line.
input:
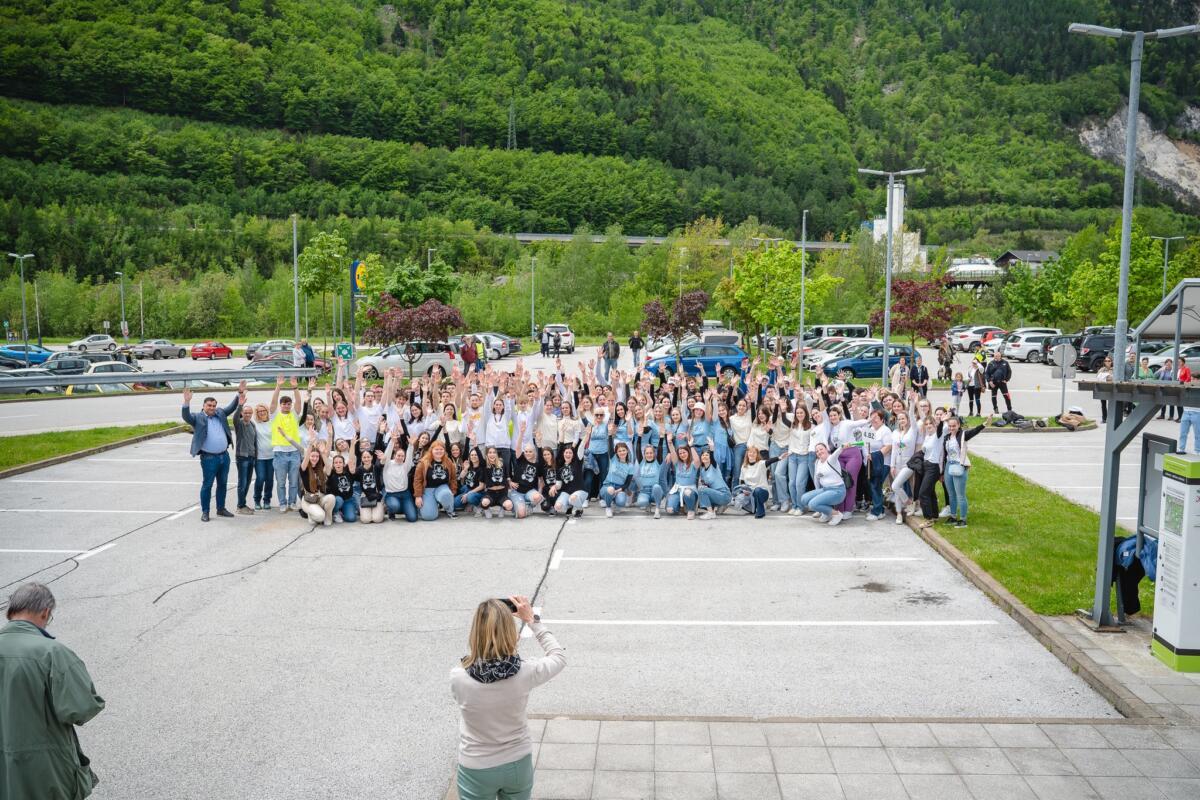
(904, 447)
(878, 443)
(491, 686)
(800, 457)
(824, 500)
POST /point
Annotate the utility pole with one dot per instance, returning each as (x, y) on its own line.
(803, 257)
(512, 124)
(682, 265)
(24, 322)
(37, 311)
(1166, 240)
(296, 280)
(887, 290)
(429, 257)
(532, 278)
(124, 325)
(142, 307)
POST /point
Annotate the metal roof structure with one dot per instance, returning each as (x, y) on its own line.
(1177, 316)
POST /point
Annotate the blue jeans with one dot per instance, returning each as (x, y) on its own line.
(245, 469)
(347, 508)
(1189, 421)
(650, 494)
(595, 479)
(687, 497)
(574, 500)
(956, 491)
(713, 498)
(637, 362)
(264, 479)
(760, 502)
(213, 467)
(735, 473)
(619, 497)
(779, 474)
(879, 473)
(799, 468)
(436, 496)
(824, 500)
(523, 501)
(401, 502)
(287, 475)
(609, 365)
(467, 499)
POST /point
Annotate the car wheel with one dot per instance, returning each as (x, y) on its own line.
(111, 347)
(157, 355)
(182, 353)
(83, 348)
(1034, 357)
(194, 358)
(229, 355)
(1094, 364)
(370, 373)
(728, 372)
(571, 349)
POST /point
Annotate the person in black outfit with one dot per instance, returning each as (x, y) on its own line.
(999, 373)
(635, 346)
(919, 375)
(495, 484)
(524, 482)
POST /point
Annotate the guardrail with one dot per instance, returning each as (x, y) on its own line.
(225, 376)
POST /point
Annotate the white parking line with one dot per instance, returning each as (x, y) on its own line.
(556, 559)
(187, 511)
(27, 416)
(817, 560)
(39, 551)
(138, 482)
(94, 551)
(780, 623)
(78, 511)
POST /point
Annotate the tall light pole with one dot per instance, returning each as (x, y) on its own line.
(24, 322)
(124, 329)
(1166, 240)
(887, 286)
(1135, 88)
(141, 307)
(532, 277)
(800, 333)
(295, 281)
(682, 264)
(429, 257)
(37, 311)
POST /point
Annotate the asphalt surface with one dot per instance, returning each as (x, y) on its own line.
(254, 657)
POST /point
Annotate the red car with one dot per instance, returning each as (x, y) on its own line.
(211, 350)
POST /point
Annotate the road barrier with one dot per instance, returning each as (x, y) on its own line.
(229, 377)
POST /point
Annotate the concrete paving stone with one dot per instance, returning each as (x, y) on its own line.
(682, 758)
(747, 786)
(873, 787)
(1192, 711)
(628, 757)
(1130, 737)
(1040, 761)
(935, 787)
(1191, 755)
(626, 732)
(1125, 789)
(737, 733)
(920, 760)
(672, 732)
(562, 784)
(1100, 763)
(536, 728)
(1075, 736)
(1101, 657)
(905, 734)
(561, 755)
(961, 734)
(1178, 788)
(576, 731)
(685, 785)
(1180, 694)
(537, 748)
(729, 758)
(793, 734)
(849, 734)
(998, 787)
(623, 785)
(1168, 678)
(980, 761)
(801, 759)
(1009, 734)
(1174, 713)
(1183, 738)
(1061, 787)
(811, 787)
(1162, 764)
(858, 760)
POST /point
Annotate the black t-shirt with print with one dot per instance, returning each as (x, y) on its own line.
(437, 474)
(495, 475)
(526, 475)
(371, 480)
(571, 477)
(341, 484)
(468, 477)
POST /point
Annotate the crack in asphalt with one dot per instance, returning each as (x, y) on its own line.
(234, 571)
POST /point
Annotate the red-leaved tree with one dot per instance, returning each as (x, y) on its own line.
(920, 309)
(685, 316)
(390, 322)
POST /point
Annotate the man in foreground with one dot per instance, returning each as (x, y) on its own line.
(45, 691)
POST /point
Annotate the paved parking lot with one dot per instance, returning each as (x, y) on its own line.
(287, 654)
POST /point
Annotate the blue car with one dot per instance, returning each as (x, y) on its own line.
(867, 362)
(710, 359)
(37, 353)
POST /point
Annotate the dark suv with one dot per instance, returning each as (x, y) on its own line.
(1092, 351)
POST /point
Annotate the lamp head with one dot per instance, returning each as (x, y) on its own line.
(1095, 30)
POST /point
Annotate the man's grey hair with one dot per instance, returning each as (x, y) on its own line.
(31, 598)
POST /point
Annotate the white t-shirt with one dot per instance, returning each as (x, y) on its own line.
(368, 420)
(877, 438)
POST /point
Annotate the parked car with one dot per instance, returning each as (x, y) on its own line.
(835, 351)
(1051, 342)
(698, 357)
(568, 338)
(846, 331)
(513, 343)
(1023, 346)
(253, 347)
(30, 372)
(211, 350)
(115, 368)
(36, 353)
(11, 363)
(277, 360)
(1190, 352)
(269, 349)
(1092, 351)
(426, 356)
(497, 348)
(868, 361)
(971, 339)
(158, 348)
(71, 365)
(99, 341)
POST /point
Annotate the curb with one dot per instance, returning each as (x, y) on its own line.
(91, 451)
(1125, 701)
(1011, 430)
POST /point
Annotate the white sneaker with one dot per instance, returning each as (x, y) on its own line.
(819, 517)
(874, 517)
(710, 514)
(283, 509)
(786, 508)
(487, 513)
(691, 515)
(608, 511)
(478, 512)
(795, 512)
(899, 519)
(338, 518)
(657, 513)
(836, 519)
(945, 512)
(848, 514)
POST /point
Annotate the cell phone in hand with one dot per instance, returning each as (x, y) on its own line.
(511, 605)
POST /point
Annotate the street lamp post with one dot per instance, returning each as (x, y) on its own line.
(124, 329)
(295, 282)
(682, 266)
(429, 257)
(800, 333)
(141, 308)
(24, 322)
(1166, 240)
(532, 277)
(887, 288)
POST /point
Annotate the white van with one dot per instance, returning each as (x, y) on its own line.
(844, 331)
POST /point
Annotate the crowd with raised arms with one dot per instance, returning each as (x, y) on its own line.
(556, 442)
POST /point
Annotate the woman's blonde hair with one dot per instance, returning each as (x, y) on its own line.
(493, 633)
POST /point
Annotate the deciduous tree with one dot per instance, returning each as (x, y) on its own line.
(685, 316)
(389, 321)
(920, 308)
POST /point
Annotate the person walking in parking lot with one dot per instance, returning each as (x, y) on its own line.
(211, 440)
(611, 351)
(46, 692)
(998, 374)
(298, 356)
(285, 436)
(636, 345)
(310, 358)
(468, 353)
(920, 377)
(544, 338)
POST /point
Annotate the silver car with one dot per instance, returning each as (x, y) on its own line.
(158, 348)
(421, 356)
(98, 342)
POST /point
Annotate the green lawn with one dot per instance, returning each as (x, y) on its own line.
(1040, 545)
(25, 449)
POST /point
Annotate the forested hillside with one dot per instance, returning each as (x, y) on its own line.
(128, 121)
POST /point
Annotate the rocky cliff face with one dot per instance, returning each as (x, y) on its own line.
(1173, 165)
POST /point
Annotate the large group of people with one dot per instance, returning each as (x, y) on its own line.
(493, 443)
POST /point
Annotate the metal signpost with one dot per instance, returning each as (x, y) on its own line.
(1064, 359)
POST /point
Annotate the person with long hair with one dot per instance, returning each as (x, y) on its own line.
(315, 501)
(614, 492)
(825, 500)
(714, 492)
(470, 483)
(649, 480)
(397, 490)
(800, 457)
(904, 447)
(684, 494)
(878, 446)
(568, 492)
(495, 484)
(956, 463)
(491, 685)
(434, 483)
(523, 483)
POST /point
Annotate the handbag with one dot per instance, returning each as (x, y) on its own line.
(955, 469)
(917, 464)
(312, 498)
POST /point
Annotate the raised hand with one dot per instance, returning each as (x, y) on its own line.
(187, 396)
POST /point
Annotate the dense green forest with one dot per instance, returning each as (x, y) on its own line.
(173, 139)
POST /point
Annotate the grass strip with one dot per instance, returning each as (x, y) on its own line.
(1040, 545)
(16, 451)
